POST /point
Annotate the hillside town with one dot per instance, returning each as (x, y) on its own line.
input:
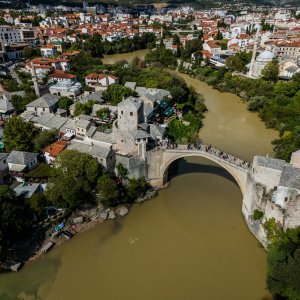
(76, 129)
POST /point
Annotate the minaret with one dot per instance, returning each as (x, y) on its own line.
(35, 81)
(252, 23)
(251, 69)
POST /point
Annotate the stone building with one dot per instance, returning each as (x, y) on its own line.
(273, 187)
(261, 61)
(129, 138)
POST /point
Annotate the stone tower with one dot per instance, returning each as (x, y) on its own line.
(130, 114)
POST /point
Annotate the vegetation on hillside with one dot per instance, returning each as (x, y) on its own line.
(283, 273)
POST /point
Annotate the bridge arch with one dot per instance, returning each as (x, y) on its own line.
(169, 156)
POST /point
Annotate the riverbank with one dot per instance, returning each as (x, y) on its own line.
(275, 102)
(228, 117)
(78, 222)
(111, 59)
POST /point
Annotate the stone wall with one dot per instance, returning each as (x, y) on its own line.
(135, 165)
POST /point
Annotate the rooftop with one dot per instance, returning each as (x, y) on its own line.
(21, 157)
(55, 148)
(45, 101)
(269, 162)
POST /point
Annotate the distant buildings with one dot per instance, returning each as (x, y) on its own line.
(13, 35)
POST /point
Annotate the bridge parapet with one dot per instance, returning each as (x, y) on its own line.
(211, 152)
(159, 160)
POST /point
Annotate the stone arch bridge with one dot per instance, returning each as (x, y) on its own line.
(158, 162)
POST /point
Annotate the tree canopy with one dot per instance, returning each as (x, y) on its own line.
(238, 61)
(116, 92)
(108, 189)
(270, 71)
(75, 175)
(18, 135)
(94, 45)
(283, 275)
(64, 103)
(44, 138)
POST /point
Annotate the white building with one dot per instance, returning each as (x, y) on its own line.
(11, 34)
(48, 50)
(261, 61)
(101, 80)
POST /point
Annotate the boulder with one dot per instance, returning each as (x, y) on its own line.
(103, 215)
(121, 210)
(111, 215)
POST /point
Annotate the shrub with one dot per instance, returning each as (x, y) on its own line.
(257, 214)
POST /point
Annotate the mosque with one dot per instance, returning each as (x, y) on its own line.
(257, 65)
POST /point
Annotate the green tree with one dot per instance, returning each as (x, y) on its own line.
(19, 103)
(75, 176)
(30, 52)
(257, 214)
(103, 113)
(121, 171)
(10, 85)
(283, 275)
(136, 188)
(108, 189)
(84, 108)
(18, 135)
(6, 193)
(176, 40)
(219, 35)
(64, 103)
(44, 138)
(238, 61)
(163, 56)
(115, 93)
(94, 45)
(270, 71)
(286, 144)
(37, 203)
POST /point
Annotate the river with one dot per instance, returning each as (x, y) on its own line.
(190, 242)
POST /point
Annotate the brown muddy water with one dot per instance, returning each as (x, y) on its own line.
(190, 242)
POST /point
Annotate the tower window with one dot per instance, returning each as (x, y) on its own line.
(131, 113)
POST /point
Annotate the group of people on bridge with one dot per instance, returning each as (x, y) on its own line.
(206, 148)
(218, 153)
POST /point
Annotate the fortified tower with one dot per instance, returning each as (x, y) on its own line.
(126, 133)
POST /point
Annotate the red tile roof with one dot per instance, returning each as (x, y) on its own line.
(55, 148)
(62, 74)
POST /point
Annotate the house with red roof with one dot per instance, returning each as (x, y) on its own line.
(211, 47)
(100, 80)
(288, 49)
(60, 76)
(48, 50)
(44, 65)
(51, 152)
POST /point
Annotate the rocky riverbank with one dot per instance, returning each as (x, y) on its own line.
(78, 222)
